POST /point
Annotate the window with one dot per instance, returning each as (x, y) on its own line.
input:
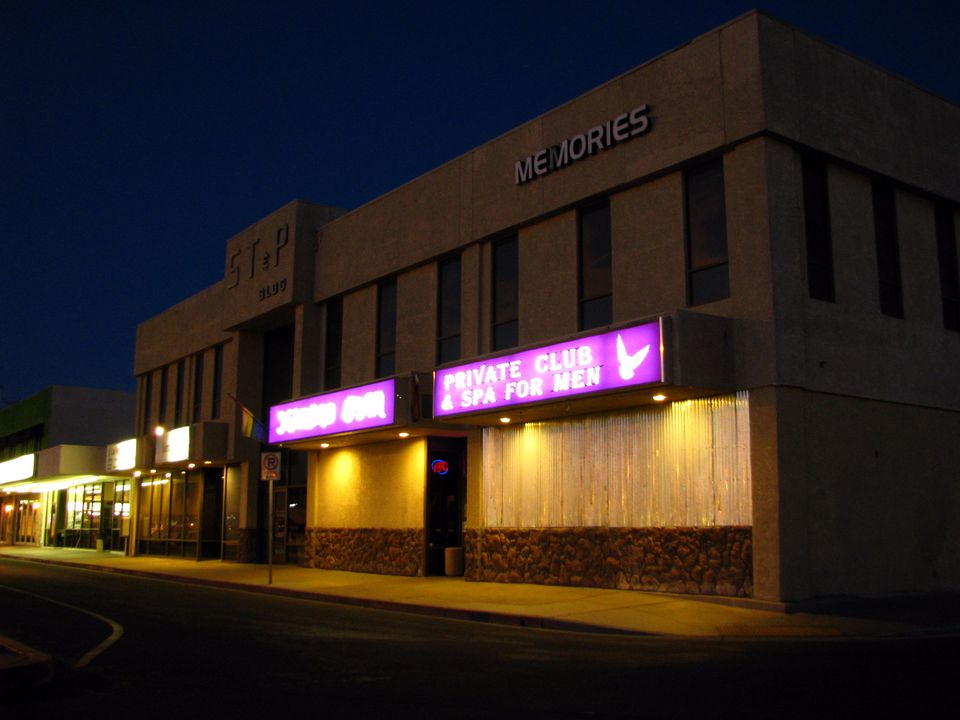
(595, 288)
(949, 272)
(505, 285)
(816, 215)
(178, 400)
(217, 380)
(162, 400)
(888, 252)
(147, 400)
(197, 387)
(386, 327)
(707, 278)
(333, 344)
(277, 377)
(448, 310)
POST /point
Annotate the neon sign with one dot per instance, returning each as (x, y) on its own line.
(440, 466)
(619, 359)
(359, 408)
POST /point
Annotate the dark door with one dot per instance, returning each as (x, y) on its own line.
(211, 521)
(446, 488)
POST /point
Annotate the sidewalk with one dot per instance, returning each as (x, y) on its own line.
(562, 608)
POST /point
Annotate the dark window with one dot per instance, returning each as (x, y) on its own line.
(707, 278)
(387, 327)
(505, 285)
(277, 366)
(888, 252)
(596, 290)
(448, 310)
(178, 400)
(217, 380)
(949, 272)
(162, 400)
(197, 387)
(816, 216)
(333, 344)
(147, 400)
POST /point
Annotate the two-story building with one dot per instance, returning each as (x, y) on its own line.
(696, 330)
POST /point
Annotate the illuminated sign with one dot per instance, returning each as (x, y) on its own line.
(600, 137)
(122, 455)
(440, 466)
(174, 445)
(359, 408)
(20, 468)
(611, 361)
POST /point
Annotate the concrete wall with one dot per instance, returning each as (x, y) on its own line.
(379, 485)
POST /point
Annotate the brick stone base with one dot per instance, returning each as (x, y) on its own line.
(705, 561)
(375, 550)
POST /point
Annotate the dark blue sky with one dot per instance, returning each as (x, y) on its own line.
(136, 137)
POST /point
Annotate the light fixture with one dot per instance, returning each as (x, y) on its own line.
(324, 445)
(404, 434)
(504, 420)
(207, 462)
(137, 473)
(153, 471)
(659, 397)
(191, 466)
(159, 430)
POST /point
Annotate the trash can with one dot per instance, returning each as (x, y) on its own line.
(453, 561)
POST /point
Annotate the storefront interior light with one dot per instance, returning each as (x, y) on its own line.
(659, 397)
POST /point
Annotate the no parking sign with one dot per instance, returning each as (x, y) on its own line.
(269, 466)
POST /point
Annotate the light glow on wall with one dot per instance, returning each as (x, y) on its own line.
(122, 455)
(359, 408)
(614, 360)
(20, 468)
(174, 445)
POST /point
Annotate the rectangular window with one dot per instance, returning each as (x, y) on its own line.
(147, 400)
(707, 276)
(217, 380)
(949, 271)
(333, 344)
(386, 327)
(595, 285)
(888, 251)
(816, 216)
(448, 310)
(178, 400)
(162, 400)
(197, 387)
(505, 288)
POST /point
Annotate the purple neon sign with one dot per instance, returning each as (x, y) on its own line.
(359, 408)
(597, 363)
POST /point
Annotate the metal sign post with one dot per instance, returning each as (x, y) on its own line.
(270, 471)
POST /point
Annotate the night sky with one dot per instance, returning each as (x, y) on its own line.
(137, 137)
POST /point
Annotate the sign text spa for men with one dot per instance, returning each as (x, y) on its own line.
(601, 137)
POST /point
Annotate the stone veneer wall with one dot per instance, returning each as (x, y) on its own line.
(706, 561)
(388, 551)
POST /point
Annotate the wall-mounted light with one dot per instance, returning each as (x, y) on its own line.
(159, 430)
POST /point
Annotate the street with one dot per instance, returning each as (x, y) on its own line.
(187, 651)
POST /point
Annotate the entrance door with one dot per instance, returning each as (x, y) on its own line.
(446, 491)
(211, 521)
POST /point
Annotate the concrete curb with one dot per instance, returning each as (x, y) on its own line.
(487, 616)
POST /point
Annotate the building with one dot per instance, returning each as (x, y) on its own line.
(59, 485)
(696, 330)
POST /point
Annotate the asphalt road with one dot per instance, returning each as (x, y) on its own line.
(187, 651)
